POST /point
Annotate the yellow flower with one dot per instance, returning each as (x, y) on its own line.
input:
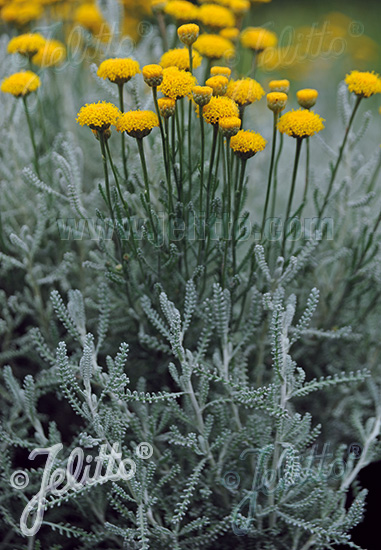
(153, 75)
(179, 57)
(188, 34)
(20, 84)
(300, 124)
(98, 116)
(26, 44)
(219, 107)
(167, 106)
(245, 91)
(276, 101)
(21, 14)
(176, 83)
(258, 39)
(158, 6)
(230, 33)
(213, 46)
(218, 83)
(363, 84)
(216, 17)
(247, 143)
(223, 71)
(229, 126)
(181, 10)
(307, 97)
(118, 70)
(51, 54)
(202, 95)
(89, 16)
(280, 86)
(239, 7)
(137, 124)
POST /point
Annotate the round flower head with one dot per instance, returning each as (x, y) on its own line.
(276, 101)
(176, 83)
(230, 33)
(245, 91)
(363, 84)
(118, 70)
(218, 83)
(239, 7)
(258, 39)
(188, 34)
(300, 124)
(179, 57)
(280, 86)
(247, 143)
(307, 97)
(137, 124)
(213, 46)
(157, 6)
(202, 95)
(229, 126)
(89, 16)
(52, 54)
(20, 84)
(26, 44)
(21, 14)
(223, 71)
(153, 75)
(98, 116)
(219, 107)
(216, 17)
(167, 106)
(181, 10)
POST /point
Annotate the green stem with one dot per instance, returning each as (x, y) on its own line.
(105, 169)
(146, 183)
(125, 205)
(375, 175)
(292, 190)
(339, 158)
(165, 149)
(237, 203)
(273, 202)
(275, 132)
(30, 126)
(180, 145)
(190, 150)
(123, 143)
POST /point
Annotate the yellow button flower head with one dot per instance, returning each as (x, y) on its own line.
(26, 44)
(153, 75)
(20, 84)
(158, 6)
(219, 107)
(300, 124)
(229, 126)
(188, 34)
(89, 16)
(21, 14)
(52, 54)
(247, 143)
(176, 83)
(179, 57)
(223, 71)
(202, 95)
(307, 97)
(218, 83)
(245, 91)
(230, 33)
(216, 17)
(98, 116)
(167, 106)
(363, 84)
(213, 46)
(280, 86)
(239, 7)
(137, 124)
(118, 70)
(258, 39)
(181, 10)
(276, 101)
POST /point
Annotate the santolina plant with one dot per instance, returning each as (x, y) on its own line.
(159, 292)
